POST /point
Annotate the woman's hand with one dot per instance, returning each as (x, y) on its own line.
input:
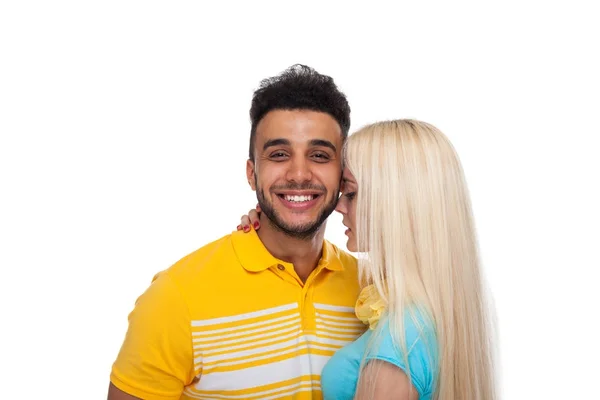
(250, 220)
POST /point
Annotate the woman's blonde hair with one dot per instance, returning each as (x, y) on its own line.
(415, 225)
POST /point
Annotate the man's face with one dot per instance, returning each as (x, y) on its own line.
(297, 169)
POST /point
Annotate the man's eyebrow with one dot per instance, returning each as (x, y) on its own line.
(323, 143)
(285, 142)
(276, 142)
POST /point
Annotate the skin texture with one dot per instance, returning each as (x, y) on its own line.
(297, 152)
(346, 206)
(115, 393)
(390, 382)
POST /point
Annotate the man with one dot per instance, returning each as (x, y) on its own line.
(257, 315)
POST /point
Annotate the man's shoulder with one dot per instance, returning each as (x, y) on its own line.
(215, 255)
(348, 260)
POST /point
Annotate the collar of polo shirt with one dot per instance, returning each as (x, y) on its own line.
(255, 257)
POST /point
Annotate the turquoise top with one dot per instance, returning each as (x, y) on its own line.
(340, 374)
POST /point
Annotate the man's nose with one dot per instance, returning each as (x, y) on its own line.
(299, 171)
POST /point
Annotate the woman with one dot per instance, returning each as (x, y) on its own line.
(406, 206)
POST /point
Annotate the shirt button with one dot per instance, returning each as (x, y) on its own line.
(280, 267)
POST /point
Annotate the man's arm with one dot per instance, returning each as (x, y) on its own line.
(114, 393)
(156, 360)
(381, 380)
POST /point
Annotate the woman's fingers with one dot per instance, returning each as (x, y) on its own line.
(244, 224)
(254, 219)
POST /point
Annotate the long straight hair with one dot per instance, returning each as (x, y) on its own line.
(416, 229)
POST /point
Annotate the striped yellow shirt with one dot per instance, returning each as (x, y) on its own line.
(230, 321)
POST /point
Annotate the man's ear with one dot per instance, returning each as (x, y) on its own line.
(250, 174)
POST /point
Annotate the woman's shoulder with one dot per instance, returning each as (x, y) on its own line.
(418, 330)
(419, 350)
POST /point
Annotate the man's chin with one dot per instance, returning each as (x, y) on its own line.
(302, 230)
(298, 219)
(299, 224)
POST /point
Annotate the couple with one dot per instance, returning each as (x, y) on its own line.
(277, 312)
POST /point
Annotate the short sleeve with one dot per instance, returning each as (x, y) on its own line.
(421, 346)
(156, 358)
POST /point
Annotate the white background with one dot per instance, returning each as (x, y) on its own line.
(124, 132)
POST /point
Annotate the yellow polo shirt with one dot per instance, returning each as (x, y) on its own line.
(230, 321)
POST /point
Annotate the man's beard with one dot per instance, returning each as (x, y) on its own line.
(304, 231)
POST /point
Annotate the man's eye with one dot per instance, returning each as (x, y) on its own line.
(321, 157)
(278, 154)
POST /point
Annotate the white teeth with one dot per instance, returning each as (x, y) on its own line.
(298, 198)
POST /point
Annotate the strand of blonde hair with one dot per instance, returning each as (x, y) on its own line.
(414, 217)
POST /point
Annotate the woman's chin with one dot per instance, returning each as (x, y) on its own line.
(351, 245)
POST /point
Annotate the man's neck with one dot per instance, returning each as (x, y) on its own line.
(304, 254)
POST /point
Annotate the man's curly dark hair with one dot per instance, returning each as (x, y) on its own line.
(299, 88)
